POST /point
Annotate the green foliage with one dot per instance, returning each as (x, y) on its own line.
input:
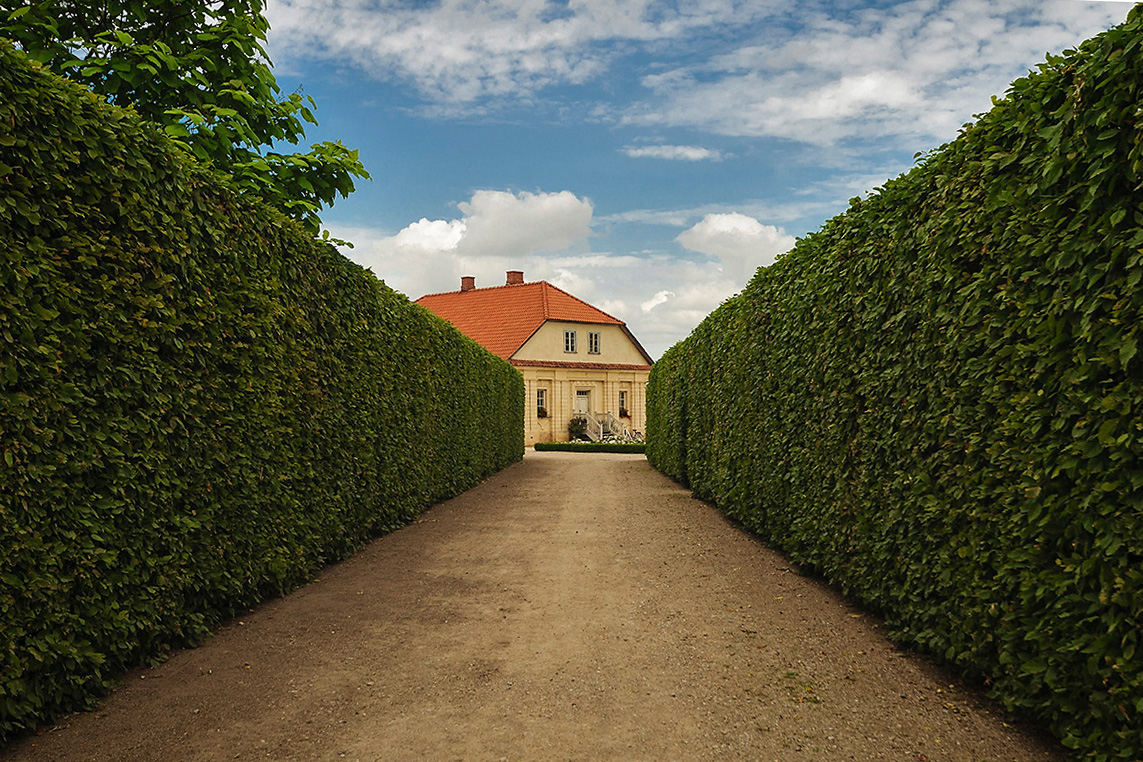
(577, 428)
(629, 447)
(936, 400)
(200, 404)
(200, 71)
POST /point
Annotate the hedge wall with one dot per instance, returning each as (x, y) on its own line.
(199, 404)
(937, 399)
(622, 447)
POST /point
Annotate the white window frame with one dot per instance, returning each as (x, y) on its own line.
(623, 400)
(593, 342)
(570, 342)
(541, 400)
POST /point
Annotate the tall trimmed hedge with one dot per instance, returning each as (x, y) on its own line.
(199, 404)
(937, 399)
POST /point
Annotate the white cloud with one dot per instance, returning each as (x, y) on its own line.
(742, 244)
(811, 202)
(810, 71)
(498, 229)
(916, 70)
(675, 153)
(471, 51)
(431, 235)
(579, 282)
(696, 290)
(661, 295)
(504, 224)
(804, 209)
(593, 259)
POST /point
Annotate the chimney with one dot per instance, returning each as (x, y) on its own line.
(515, 277)
(467, 282)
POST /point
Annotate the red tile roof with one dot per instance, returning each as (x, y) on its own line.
(503, 318)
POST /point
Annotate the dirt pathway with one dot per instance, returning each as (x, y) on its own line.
(574, 607)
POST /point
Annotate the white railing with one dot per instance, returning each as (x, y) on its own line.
(603, 425)
(594, 428)
(611, 425)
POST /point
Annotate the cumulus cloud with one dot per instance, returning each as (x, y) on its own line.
(662, 295)
(675, 153)
(498, 223)
(740, 243)
(431, 235)
(497, 229)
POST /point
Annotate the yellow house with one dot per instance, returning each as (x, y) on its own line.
(577, 361)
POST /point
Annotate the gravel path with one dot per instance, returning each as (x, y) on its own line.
(573, 607)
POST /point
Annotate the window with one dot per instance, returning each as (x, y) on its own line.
(569, 341)
(541, 403)
(622, 403)
(593, 342)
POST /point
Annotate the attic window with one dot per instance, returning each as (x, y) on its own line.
(593, 342)
(569, 342)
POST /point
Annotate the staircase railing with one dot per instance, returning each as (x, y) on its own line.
(594, 429)
(611, 426)
(615, 427)
(599, 426)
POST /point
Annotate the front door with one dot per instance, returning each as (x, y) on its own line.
(582, 402)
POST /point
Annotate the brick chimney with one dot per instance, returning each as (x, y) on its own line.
(515, 277)
(467, 282)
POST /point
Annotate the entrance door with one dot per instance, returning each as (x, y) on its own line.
(582, 402)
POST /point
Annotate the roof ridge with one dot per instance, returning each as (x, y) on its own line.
(482, 288)
(576, 298)
(504, 318)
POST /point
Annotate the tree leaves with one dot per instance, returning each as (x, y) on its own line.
(199, 70)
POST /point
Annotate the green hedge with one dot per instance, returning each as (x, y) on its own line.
(590, 447)
(936, 400)
(199, 404)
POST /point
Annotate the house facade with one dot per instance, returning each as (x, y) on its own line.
(577, 361)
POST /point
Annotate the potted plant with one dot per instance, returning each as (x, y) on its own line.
(577, 428)
(623, 413)
(541, 412)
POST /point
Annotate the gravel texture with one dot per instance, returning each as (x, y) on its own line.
(573, 607)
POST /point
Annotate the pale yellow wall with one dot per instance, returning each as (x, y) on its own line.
(561, 385)
(548, 344)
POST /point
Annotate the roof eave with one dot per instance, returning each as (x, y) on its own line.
(638, 346)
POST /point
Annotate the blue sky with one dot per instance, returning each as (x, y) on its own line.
(646, 156)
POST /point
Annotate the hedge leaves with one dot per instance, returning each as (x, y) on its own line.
(937, 399)
(199, 404)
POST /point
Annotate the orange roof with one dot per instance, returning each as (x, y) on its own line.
(503, 318)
